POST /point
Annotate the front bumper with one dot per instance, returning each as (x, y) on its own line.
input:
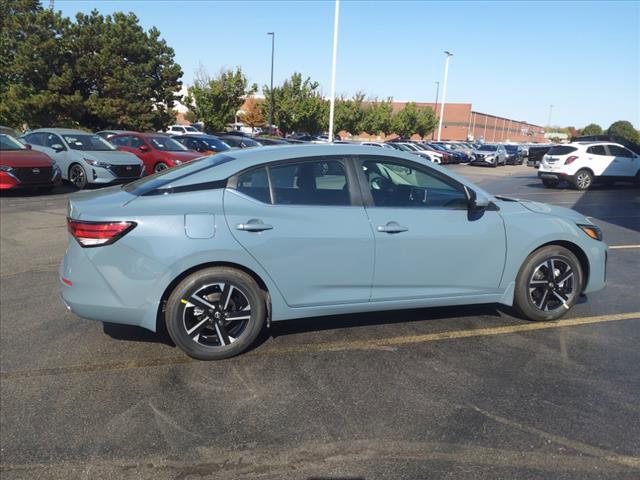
(105, 176)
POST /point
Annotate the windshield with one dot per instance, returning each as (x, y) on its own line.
(10, 143)
(166, 144)
(88, 143)
(216, 144)
(191, 129)
(165, 177)
(511, 148)
(488, 148)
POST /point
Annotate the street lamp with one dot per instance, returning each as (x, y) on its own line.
(273, 42)
(436, 109)
(332, 101)
(444, 92)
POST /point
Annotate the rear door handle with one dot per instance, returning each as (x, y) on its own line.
(254, 226)
(392, 227)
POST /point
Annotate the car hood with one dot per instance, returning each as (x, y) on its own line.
(547, 209)
(183, 156)
(24, 158)
(114, 157)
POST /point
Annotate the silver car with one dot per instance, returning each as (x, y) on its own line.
(490, 154)
(85, 157)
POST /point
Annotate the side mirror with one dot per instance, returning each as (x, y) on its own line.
(57, 147)
(475, 201)
(144, 148)
(28, 146)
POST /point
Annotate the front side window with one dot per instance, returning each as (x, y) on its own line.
(310, 183)
(618, 151)
(120, 141)
(403, 185)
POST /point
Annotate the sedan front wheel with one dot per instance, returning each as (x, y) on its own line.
(548, 284)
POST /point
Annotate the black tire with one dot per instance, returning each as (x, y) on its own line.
(208, 343)
(530, 302)
(159, 167)
(583, 179)
(78, 176)
(550, 183)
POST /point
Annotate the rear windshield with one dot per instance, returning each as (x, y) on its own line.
(561, 150)
(165, 177)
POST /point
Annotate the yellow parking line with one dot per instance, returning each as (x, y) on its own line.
(378, 343)
(623, 247)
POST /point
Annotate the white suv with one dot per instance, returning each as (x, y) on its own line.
(582, 163)
(183, 130)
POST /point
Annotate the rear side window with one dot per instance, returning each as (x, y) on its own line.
(255, 184)
(561, 150)
(310, 183)
(597, 150)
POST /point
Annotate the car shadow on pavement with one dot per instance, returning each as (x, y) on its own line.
(33, 192)
(132, 333)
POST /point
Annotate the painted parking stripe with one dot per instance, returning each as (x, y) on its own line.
(373, 344)
(455, 334)
(623, 247)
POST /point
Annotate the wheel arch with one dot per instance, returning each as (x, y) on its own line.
(170, 287)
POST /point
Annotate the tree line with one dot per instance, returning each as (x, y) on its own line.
(299, 107)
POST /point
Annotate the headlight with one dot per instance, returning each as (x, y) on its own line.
(591, 230)
(5, 168)
(95, 163)
(177, 162)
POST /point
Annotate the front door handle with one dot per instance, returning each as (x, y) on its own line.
(392, 227)
(254, 225)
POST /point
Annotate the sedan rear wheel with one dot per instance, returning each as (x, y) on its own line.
(215, 313)
(78, 176)
(548, 283)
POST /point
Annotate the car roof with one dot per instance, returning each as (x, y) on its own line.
(62, 131)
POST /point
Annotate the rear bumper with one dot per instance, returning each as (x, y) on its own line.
(557, 176)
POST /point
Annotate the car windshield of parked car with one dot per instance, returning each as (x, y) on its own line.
(488, 148)
(91, 143)
(164, 177)
(216, 144)
(511, 148)
(166, 144)
(10, 143)
(191, 129)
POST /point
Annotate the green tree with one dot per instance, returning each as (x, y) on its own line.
(298, 106)
(405, 121)
(425, 121)
(96, 72)
(624, 129)
(377, 117)
(349, 114)
(592, 129)
(215, 101)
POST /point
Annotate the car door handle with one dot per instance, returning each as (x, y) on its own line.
(254, 226)
(392, 227)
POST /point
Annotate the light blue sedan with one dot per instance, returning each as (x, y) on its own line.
(220, 246)
(84, 157)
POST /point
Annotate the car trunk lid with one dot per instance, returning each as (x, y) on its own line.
(98, 204)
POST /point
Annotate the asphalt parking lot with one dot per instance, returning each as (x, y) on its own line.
(458, 393)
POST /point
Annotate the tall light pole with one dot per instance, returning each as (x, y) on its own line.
(444, 92)
(271, 100)
(332, 101)
(436, 105)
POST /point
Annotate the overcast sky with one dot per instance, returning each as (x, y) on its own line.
(511, 59)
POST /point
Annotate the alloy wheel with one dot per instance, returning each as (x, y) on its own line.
(160, 167)
(583, 180)
(552, 285)
(77, 176)
(216, 315)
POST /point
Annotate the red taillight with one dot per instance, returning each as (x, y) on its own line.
(570, 160)
(96, 234)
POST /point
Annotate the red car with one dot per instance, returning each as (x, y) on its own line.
(22, 167)
(157, 151)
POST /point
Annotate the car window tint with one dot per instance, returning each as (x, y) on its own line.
(120, 141)
(597, 150)
(401, 185)
(618, 151)
(136, 142)
(50, 140)
(310, 183)
(255, 184)
(34, 138)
